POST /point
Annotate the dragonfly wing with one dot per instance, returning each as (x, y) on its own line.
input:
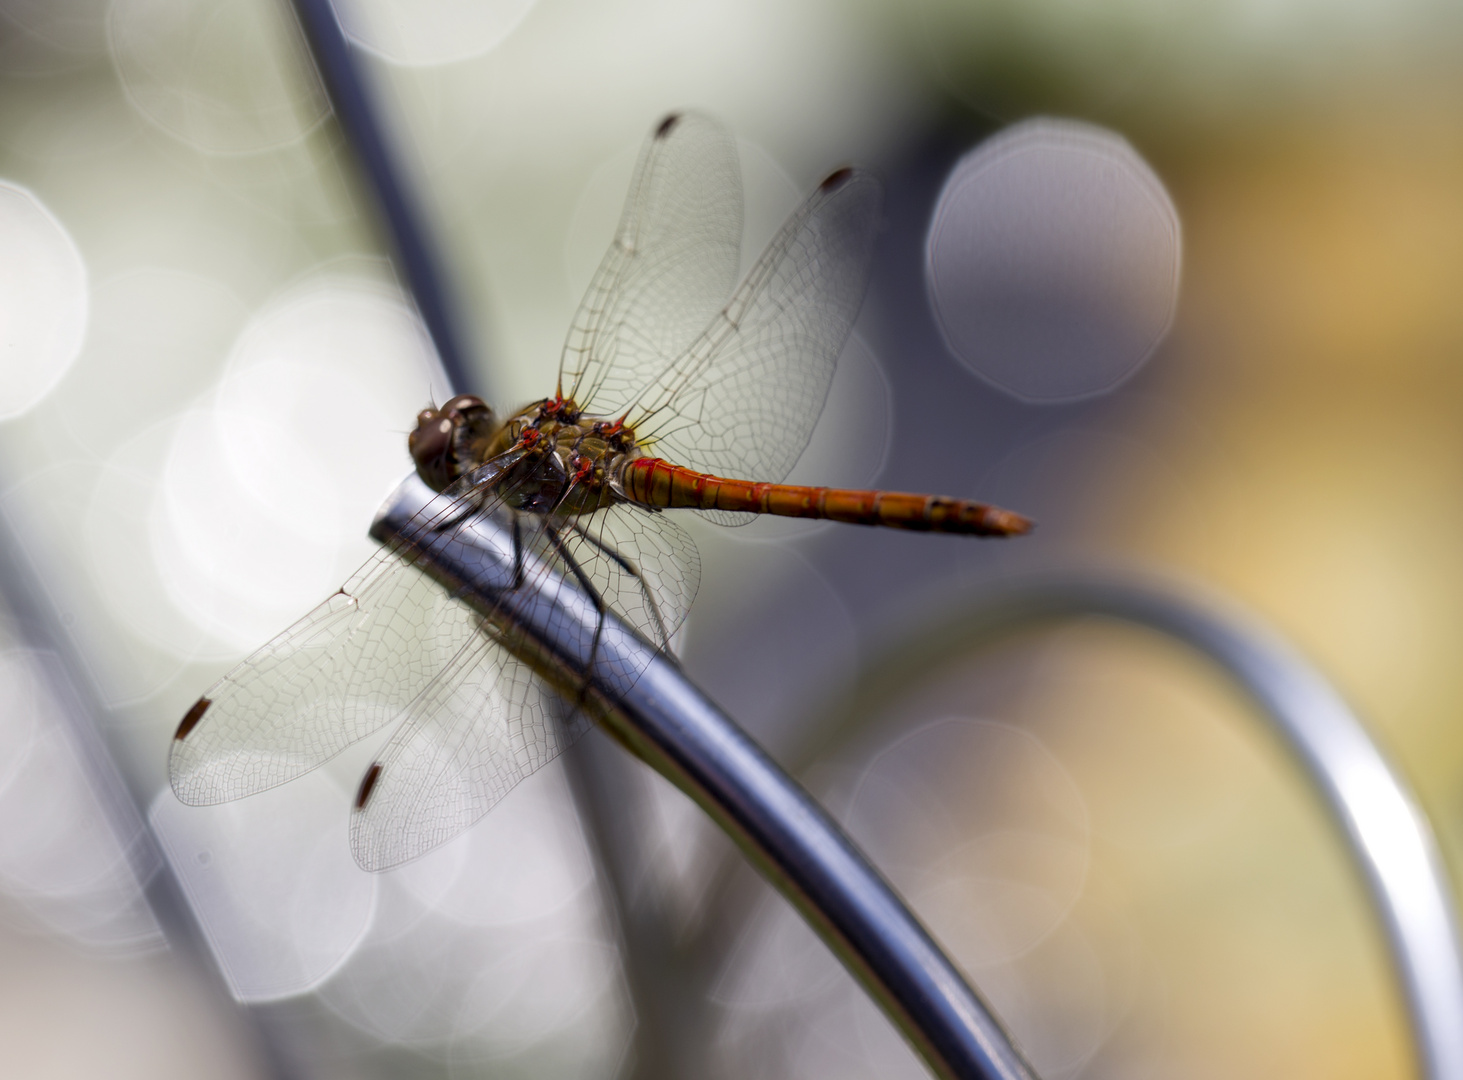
(483, 726)
(743, 400)
(487, 722)
(343, 671)
(672, 265)
(642, 564)
(321, 685)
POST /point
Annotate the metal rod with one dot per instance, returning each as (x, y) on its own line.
(1386, 833)
(419, 261)
(65, 671)
(646, 702)
(416, 256)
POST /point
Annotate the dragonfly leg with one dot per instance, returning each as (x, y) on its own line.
(451, 522)
(630, 568)
(517, 552)
(518, 576)
(594, 594)
(473, 498)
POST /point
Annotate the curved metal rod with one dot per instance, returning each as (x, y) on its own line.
(420, 261)
(27, 605)
(1386, 833)
(645, 701)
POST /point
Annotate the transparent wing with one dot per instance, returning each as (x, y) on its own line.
(488, 722)
(670, 268)
(642, 563)
(742, 401)
(343, 671)
(480, 729)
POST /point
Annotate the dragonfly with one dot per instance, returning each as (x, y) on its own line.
(676, 385)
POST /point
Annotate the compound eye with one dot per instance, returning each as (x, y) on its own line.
(463, 403)
(431, 438)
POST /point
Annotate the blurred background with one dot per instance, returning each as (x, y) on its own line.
(1176, 279)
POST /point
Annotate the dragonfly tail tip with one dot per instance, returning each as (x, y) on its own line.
(1014, 524)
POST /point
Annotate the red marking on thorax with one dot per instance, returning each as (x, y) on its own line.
(610, 427)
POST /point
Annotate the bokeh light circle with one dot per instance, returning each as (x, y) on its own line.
(43, 301)
(225, 78)
(414, 34)
(524, 861)
(1052, 261)
(272, 883)
(241, 562)
(982, 828)
(65, 860)
(155, 340)
(267, 491)
(71, 27)
(20, 708)
(494, 939)
(536, 992)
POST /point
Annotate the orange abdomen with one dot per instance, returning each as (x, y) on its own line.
(658, 483)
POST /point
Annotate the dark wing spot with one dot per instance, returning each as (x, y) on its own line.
(368, 784)
(836, 179)
(190, 721)
(666, 125)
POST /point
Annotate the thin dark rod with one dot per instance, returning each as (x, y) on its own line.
(646, 702)
(417, 257)
(66, 674)
(1385, 831)
(336, 60)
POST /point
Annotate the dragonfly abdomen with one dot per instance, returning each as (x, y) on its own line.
(657, 483)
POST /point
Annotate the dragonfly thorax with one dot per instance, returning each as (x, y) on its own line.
(563, 461)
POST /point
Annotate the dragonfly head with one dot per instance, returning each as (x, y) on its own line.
(451, 440)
